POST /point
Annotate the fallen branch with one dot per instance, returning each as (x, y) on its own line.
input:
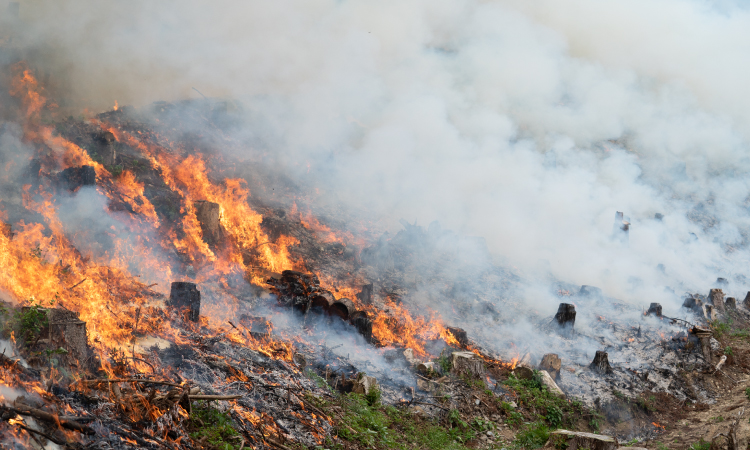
(213, 397)
(129, 380)
(77, 284)
(26, 410)
(44, 435)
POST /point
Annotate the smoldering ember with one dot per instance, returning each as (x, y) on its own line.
(227, 256)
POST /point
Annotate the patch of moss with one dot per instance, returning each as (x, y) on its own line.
(213, 428)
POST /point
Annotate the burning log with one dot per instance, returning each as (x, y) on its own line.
(655, 309)
(343, 308)
(578, 440)
(731, 303)
(716, 298)
(566, 316)
(75, 177)
(550, 384)
(552, 364)
(365, 295)
(257, 326)
(600, 364)
(26, 410)
(467, 363)
(185, 296)
(209, 216)
(322, 301)
(362, 322)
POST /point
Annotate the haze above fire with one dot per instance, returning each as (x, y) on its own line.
(527, 124)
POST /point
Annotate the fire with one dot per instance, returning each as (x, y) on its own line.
(658, 426)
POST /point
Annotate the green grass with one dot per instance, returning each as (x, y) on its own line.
(701, 445)
(533, 435)
(549, 409)
(378, 426)
(214, 427)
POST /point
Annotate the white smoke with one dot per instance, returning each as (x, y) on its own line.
(527, 123)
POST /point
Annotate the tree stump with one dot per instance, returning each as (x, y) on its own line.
(600, 364)
(209, 216)
(573, 440)
(185, 296)
(716, 298)
(552, 364)
(467, 363)
(75, 177)
(731, 303)
(746, 302)
(709, 313)
(365, 295)
(566, 316)
(621, 228)
(66, 331)
(6, 230)
(654, 309)
(460, 335)
(364, 384)
(704, 335)
(363, 324)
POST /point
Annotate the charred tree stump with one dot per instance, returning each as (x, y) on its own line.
(566, 316)
(185, 296)
(460, 335)
(365, 295)
(209, 216)
(6, 230)
(746, 302)
(363, 325)
(105, 150)
(552, 364)
(731, 303)
(600, 364)
(716, 298)
(654, 309)
(75, 177)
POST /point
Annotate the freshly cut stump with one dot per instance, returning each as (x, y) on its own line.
(573, 440)
(468, 363)
(552, 364)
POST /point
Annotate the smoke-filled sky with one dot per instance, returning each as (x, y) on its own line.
(527, 123)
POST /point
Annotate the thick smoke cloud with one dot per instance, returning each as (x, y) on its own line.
(527, 123)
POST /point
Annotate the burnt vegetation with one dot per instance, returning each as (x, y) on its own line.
(106, 360)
